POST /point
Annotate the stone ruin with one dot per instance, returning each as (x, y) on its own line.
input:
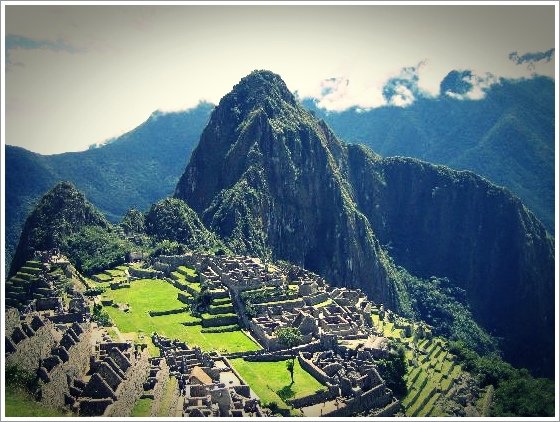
(208, 385)
(353, 382)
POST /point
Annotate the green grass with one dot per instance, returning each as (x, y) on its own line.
(103, 277)
(158, 295)
(19, 403)
(189, 272)
(143, 407)
(325, 303)
(271, 380)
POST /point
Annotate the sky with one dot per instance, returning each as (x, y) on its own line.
(78, 75)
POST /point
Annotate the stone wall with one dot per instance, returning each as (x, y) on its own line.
(74, 364)
(317, 298)
(11, 320)
(32, 341)
(314, 370)
(136, 273)
(315, 398)
(131, 388)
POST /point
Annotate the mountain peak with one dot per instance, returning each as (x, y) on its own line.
(261, 88)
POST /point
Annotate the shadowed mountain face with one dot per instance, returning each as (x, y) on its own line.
(272, 180)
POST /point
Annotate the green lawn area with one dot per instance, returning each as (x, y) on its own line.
(19, 403)
(271, 380)
(143, 407)
(158, 295)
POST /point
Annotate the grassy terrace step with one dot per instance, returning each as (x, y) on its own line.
(189, 273)
(222, 301)
(142, 407)
(34, 264)
(427, 392)
(30, 270)
(102, 277)
(25, 276)
(429, 406)
(209, 320)
(191, 287)
(221, 309)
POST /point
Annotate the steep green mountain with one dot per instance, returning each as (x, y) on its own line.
(133, 170)
(61, 213)
(272, 180)
(507, 137)
(269, 179)
(172, 219)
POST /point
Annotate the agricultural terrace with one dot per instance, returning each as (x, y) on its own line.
(431, 371)
(271, 382)
(151, 305)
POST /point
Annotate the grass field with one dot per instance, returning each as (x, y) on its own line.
(271, 380)
(143, 407)
(19, 403)
(158, 295)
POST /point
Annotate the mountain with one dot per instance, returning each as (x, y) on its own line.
(507, 137)
(61, 212)
(171, 219)
(133, 170)
(272, 180)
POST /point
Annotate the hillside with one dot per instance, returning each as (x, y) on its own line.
(133, 170)
(272, 180)
(507, 137)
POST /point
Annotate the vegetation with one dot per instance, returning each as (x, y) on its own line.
(93, 249)
(516, 392)
(133, 222)
(100, 316)
(501, 137)
(133, 170)
(171, 219)
(289, 337)
(62, 212)
(393, 369)
(142, 407)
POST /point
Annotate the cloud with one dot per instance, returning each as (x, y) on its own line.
(466, 85)
(403, 89)
(14, 42)
(532, 58)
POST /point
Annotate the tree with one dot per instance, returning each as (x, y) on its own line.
(133, 222)
(290, 337)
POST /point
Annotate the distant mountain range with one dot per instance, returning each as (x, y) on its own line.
(507, 137)
(134, 170)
